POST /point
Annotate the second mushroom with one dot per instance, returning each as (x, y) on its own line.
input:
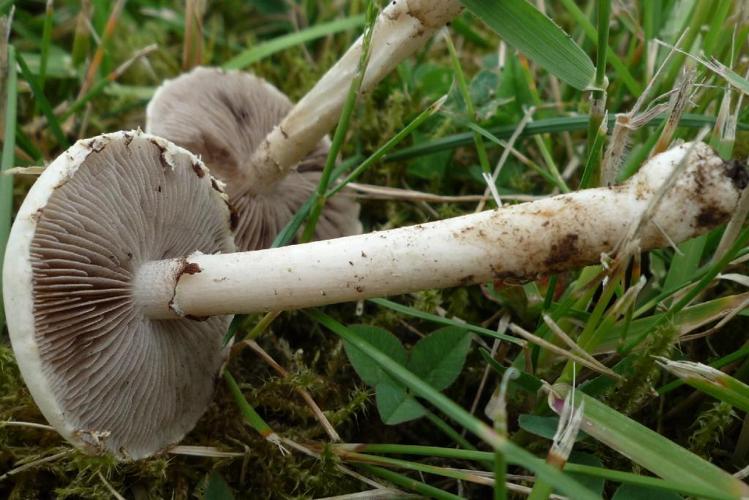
(223, 116)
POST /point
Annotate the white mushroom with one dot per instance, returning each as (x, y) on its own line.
(112, 278)
(106, 377)
(223, 116)
(252, 138)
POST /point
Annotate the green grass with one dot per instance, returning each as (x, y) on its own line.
(437, 124)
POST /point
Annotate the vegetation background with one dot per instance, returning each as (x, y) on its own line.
(70, 83)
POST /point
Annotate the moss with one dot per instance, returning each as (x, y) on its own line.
(630, 395)
(709, 427)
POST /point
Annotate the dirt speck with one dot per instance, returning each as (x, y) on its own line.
(190, 268)
(737, 172)
(466, 280)
(710, 217)
(562, 250)
(198, 170)
(162, 154)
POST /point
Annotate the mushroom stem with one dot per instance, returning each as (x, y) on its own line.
(401, 29)
(517, 242)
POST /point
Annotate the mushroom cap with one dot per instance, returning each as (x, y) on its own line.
(223, 116)
(107, 378)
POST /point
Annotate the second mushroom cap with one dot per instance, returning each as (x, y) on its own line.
(223, 116)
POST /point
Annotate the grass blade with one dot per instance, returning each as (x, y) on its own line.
(263, 50)
(524, 27)
(286, 235)
(710, 381)
(588, 470)
(648, 448)
(409, 483)
(46, 41)
(390, 144)
(43, 103)
(443, 321)
(545, 126)
(9, 146)
(339, 137)
(622, 72)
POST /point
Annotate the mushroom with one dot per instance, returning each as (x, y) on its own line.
(105, 376)
(223, 116)
(117, 286)
(216, 115)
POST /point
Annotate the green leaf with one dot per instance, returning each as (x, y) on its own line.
(430, 167)
(525, 381)
(439, 357)
(544, 427)
(636, 492)
(384, 341)
(527, 29)
(513, 452)
(395, 405)
(687, 320)
(595, 484)
(42, 102)
(216, 488)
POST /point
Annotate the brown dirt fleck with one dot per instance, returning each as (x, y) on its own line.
(190, 268)
(198, 170)
(737, 172)
(466, 280)
(162, 156)
(562, 250)
(710, 217)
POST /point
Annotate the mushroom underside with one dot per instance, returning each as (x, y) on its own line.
(123, 383)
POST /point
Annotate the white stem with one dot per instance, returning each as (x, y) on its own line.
(401, 29)
(518, 242)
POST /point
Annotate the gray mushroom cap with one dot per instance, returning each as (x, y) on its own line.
(107, 378)
(223, 116)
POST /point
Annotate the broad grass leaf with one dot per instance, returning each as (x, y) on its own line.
(544, 427)
(527, 29)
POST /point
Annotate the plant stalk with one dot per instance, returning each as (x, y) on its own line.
(402, 27)
(518, 242)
